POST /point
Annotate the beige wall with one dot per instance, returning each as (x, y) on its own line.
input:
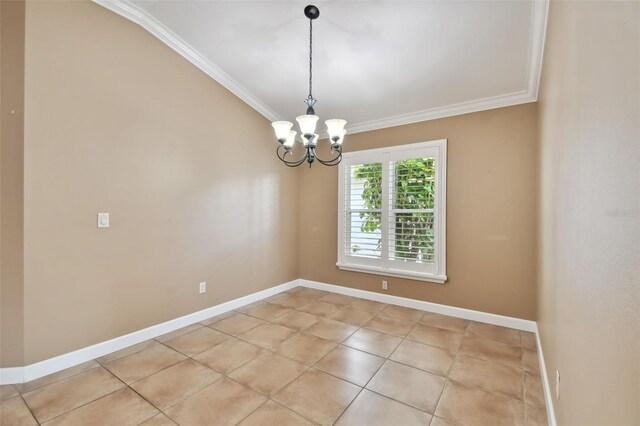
(589, 294)
(116, 121)
(491, 213)
(11, 178)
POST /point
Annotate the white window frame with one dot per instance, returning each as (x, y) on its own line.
(435, 272)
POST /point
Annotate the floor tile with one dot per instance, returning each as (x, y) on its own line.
(331, 330)
(424, 357)
(266, 311)
(277, 296)
(294, 290)
(123, 407)
(274, 414)
(217, 318)
(197, 341)
(8, 391)
(352, 316)
(494, 332)
(250, 306)
(267, 335)
(144, 363)
(229, 355)
(528, 340)
(14, 412)
(444, 321)
(304, 348)
(489, 375)
(297, 320)
(530, 361)
(337, 299)
(533, 392)
(318, 396)
(268, 373)
(409, 385)
(390, 325)
(400, 312)
(290, 301)
(372, 409)
(374, 342)
(368, 306)
(437, 421)
(159, 420)
(57, 398)
(127, 351)
(179, 332)
(311, 293)
(350, 364)
(321, 309)
(175, 383)
(535, 415)
(56, 377)
(237, 324)
(223, 403)
(445, 339)
(471, 406)
(492, 350)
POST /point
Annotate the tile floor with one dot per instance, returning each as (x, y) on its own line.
(302, 357)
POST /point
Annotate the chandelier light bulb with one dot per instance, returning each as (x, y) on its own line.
(290, 140)
(307, 124)
(336, 141)
(335, 127)
(282, 129)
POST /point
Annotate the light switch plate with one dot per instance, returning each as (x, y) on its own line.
(103, 220)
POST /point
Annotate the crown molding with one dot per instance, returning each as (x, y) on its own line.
(537, 36)
(442, 112)
(135, 14)
(537, 39)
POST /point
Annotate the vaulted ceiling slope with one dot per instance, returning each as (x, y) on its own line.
(376, 63)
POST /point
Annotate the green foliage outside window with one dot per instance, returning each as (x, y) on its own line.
(413, 183)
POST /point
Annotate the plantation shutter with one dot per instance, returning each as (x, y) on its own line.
(411, 214)
(363, 210)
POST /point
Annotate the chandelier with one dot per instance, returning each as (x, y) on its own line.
(307, 123)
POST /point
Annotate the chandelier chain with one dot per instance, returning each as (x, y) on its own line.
(308, 136)
(310, 56)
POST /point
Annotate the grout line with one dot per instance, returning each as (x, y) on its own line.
(24, 401)
(307, 367)
(86, 403)
(55, 381)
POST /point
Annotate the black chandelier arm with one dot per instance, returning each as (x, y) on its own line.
(334, 161)
(282, 156)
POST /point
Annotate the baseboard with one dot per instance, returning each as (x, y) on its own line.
(11, 375)
(503, 321)
(53, 365)
(551, 415)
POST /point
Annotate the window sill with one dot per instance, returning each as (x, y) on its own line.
(420, 276)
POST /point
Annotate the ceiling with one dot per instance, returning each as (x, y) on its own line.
(376, 63)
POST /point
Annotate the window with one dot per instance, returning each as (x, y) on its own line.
(392, 211)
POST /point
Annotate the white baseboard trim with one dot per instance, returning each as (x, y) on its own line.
(52, 365)
(548, 395)
(11, 375)
(504, 321)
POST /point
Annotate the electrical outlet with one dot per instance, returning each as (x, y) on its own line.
(385, 286)
(203, 287)
(557, 384)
